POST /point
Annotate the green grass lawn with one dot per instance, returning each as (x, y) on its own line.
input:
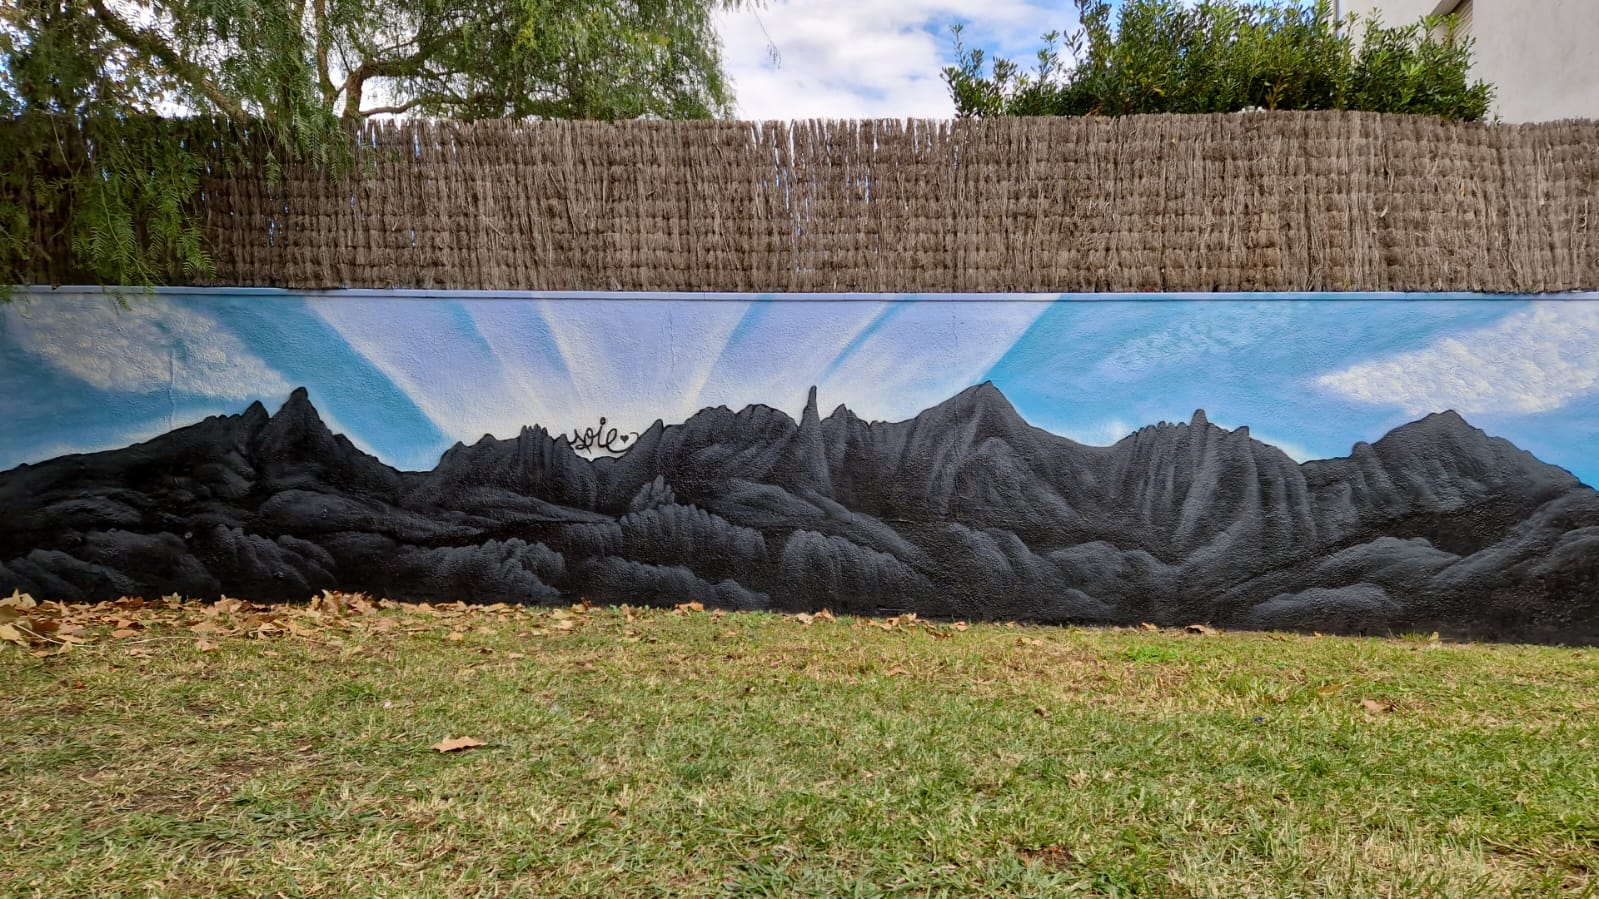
(646, 753)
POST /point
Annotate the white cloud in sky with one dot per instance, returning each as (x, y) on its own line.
(1194, 332)
(153, 344)
(1534, 361)
(869, 58)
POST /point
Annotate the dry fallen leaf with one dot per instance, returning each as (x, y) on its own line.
(10, 634)
(456, 744)
(123, 632)
(204, 645)
(456, 636)
(300, 630)
(689, 607)
(329, 602)
(1203, 629)
(1374, 707)
(1146, 626)
(43, 626)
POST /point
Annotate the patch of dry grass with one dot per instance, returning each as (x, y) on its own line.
(644, 753)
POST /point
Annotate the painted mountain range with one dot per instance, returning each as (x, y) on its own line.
(965, 510)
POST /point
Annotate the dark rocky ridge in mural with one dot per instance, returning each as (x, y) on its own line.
(965, 510)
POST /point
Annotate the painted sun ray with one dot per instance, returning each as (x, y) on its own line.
(521, 340)
(880, 320)
(433, 352)
(781, 348)
(922, 353)
(635, 361)
(374, 412)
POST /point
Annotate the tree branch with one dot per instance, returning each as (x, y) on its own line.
(148, 41)
(397, 67)
(319, 14)
(354, 85)
(391, 110)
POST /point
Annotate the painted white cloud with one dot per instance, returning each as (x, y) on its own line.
(1534, 361)
(152, 344)
(867, 58)
(1193, 333)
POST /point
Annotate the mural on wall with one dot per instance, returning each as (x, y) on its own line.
(1361, 463)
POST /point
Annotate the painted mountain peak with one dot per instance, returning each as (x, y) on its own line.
(965, 510)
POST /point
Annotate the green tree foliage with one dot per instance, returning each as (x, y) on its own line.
(111, 110)
(1225, 56)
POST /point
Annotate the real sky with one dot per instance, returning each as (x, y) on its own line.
(798, 59)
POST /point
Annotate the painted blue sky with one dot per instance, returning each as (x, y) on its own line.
(406, 376)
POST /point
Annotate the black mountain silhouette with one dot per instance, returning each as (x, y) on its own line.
(965, 510)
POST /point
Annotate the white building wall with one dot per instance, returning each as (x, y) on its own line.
(1541, 56)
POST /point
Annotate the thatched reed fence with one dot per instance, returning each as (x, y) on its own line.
(1264, 201)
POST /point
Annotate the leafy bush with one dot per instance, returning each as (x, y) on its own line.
(1226, 56)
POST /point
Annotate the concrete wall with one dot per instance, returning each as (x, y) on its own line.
(1416, 463)
(1542, 56)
